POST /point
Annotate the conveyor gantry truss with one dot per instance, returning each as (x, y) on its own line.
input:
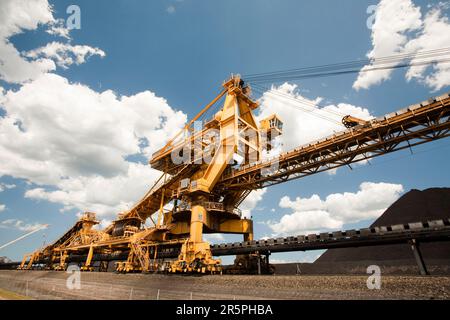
(211, 166)
(405, 128)
(413, 234)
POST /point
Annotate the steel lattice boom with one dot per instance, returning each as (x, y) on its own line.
(417, 124)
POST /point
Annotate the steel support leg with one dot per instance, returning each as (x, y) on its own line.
(198, 215)
(418, 256)
(259, 264)
(89, 257)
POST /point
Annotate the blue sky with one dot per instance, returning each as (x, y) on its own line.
(184, 53)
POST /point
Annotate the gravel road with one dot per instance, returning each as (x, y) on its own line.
(96, 285)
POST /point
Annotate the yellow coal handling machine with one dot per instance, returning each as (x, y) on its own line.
(191, 163)
(209, 168)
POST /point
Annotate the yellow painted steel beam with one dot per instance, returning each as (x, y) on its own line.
(163, 151)
(415, 125)
(243, 226)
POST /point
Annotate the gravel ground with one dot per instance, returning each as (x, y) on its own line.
(52, 285)
(8, 295)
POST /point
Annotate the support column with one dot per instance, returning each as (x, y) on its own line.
(418, 256)
(195, 255)
(249, 236)
(89, 258)
(30, 264)
(259, 263)
(62, 260)
(24, 260)
(198, 215)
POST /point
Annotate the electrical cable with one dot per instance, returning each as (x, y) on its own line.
(382, 63)
(263, 89)
(310, 111)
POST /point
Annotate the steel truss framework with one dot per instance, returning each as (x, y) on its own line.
(215, 190)
(415, 125)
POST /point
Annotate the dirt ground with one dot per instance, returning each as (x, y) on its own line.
(8, 295)
(96, 285)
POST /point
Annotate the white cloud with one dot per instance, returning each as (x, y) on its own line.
(65, 54)
(214, 237)
(279, 261)
(304, 122)
(75, 139)
(309, 258)
(54, 129)
(304, 257)
(19, 16)
(393, 19)
(314, 214)
(104, 223)
(435, 34)
(105, 196)
(16, 16)
(171, 9)
(251, 202)
(15, 69)
(5, 186)
(305, 223)
(58, 28)
(21, 225)
(68, 142)
(399, 28)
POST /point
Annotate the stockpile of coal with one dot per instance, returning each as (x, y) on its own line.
(6, 263)
(414, 206)
(4, 260)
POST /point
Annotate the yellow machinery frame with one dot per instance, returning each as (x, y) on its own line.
(206, 194)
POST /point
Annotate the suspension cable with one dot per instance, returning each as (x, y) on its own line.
(312, 111)
(315, 105)
(382, 63)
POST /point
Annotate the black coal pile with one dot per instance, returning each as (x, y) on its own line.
(4, 260)
(414, 206)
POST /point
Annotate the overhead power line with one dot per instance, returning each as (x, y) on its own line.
(303, 105)
(422, 58)
(264, 89)
(382, 63)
